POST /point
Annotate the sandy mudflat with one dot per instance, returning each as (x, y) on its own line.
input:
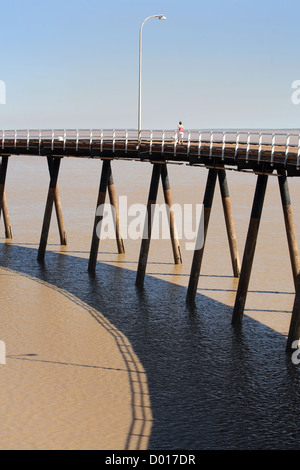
(69, 376)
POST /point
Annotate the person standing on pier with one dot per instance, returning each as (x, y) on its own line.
(180, 129)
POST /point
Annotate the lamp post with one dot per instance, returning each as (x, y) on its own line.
(160, 17)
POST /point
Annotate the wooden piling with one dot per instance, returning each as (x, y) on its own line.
(3, 170)
(7, 226)
(54, 171)
(105, 174)
(156, 173)
(113, 202)
(198, 253)
(3, 203)
(236, 266)
(60, 220)
(169, 203)
(58, 209)
(289, 224)
(249, 251)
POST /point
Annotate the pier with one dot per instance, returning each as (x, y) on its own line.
(264, 154)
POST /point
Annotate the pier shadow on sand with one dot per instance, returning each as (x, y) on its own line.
(211, 386)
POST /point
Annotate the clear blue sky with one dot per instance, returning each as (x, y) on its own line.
(213, 64)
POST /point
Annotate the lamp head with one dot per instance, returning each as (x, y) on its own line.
(162, 17)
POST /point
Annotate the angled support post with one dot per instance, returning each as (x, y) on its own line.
(169, 203)
(249, 250)
(198, 253)
(294, 330)
(235, 260)
(3, 203)
(48, 209)
(289, 224)
(106, 184)
(156, 174)
(58, 209)
(7, 226)
(105, 174)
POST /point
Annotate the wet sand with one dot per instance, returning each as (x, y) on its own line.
(93, 363)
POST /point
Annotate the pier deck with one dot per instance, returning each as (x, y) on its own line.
(239, 150)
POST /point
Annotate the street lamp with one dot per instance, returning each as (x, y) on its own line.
(160, 17)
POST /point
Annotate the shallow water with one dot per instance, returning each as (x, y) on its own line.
(92, 362)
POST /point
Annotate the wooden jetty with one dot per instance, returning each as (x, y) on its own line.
(261, 153)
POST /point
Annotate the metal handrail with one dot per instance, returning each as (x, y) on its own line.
(124, 134)
(252, 140)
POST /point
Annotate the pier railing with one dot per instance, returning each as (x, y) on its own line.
(228, 146)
